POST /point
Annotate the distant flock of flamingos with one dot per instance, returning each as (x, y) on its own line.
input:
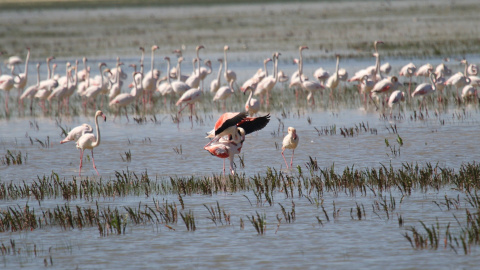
(374, 83)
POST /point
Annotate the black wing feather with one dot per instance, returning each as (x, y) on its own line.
(231, 122)
(256, 124)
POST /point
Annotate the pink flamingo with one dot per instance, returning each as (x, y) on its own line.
(225, 148)
(189, 98)
(268, 83)
(22, 78)
(32, 90)
(425, 89)
(88, 141)
(125, 99)
(228, 122)
(395, 98)
(290, 141)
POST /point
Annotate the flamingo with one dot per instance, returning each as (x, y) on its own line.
(88, 141)
(252, 106)
(46, 86)
(189, 98)
(378, 72)
(386, 68)
(290, 141)
(385, 86)
(257, 77)
(229, 75)
(116, 85)
(174, 71)
(459, 79)
(72, 87)
(215, 84)
(94, 90)
(321, 75)
(282, 77)
(424, 71)
(194, 80)
(125, 99)
(425, 89)
(77, 132)
(20, 81)
(366, 87)
(149, 82)
(32, 90)
(333, 81)
(137, 80)
(268, 83)
(473, 72)
(310, 86)
(223, 93)
(6, 84)
(204, 72)
(442, 68)
(469, 91)
(165, 88)
(228, 122)
(13, 61)
(178, 86)
(396, 97)
(82, 74)
(60, 91)
(408, 70)
(225, 148)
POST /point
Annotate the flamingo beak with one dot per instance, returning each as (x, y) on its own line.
(104, 117)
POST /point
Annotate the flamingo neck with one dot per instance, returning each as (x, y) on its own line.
(226, 63)
(26, 63)
(49, 70)
(168, 71)
(219, 73)
(97, 142)
(151, 62)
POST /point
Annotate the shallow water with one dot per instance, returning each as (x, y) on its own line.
(376, 242)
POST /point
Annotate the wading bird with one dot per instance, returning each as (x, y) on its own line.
(88, 141)
(76, 133)
(290, 141)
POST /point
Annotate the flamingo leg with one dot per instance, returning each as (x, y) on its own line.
(81, 161)
(232, 169)
(291, 160)
(409, 88)
(223, 167)
(6, 101)
(95, 167)
(283, 150)
(126, 114)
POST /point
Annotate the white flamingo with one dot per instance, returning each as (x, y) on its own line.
(88, 141)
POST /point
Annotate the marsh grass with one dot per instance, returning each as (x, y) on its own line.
(385, 186)
(13, 158)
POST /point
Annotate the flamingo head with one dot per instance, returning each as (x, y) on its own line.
(141, 49)
(293, 131)
(155, 47)
(220, 60)
(267, 60)
(394, 79)
(208, 63)
(301, 48)
(200, 47)
(226, 48)
(100, 113)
